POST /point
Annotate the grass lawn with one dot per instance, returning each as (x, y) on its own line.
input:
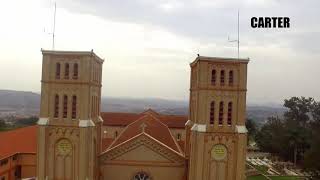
(256, 178)
(273, 178)
(262, 169)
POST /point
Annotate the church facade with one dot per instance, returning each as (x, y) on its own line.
(78, 142)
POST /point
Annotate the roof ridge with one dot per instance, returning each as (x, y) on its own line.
(175, 142)
(123, 131)
(141, 134)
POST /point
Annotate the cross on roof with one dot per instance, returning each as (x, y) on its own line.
(143, 126)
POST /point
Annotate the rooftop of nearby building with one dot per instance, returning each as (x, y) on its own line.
(22, 140)
(124, 119)
(150, 125)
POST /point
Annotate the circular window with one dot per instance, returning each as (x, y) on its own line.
(219, 152)
(64, 147)
(141, 176)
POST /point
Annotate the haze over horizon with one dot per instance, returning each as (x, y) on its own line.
(149, 44)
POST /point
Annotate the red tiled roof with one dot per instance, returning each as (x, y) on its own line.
(105, 142)
(153, 127)
(124, 119)
(181, 144)
(22, 140)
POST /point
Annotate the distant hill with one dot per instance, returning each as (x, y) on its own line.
(25, 103)
(19, 102)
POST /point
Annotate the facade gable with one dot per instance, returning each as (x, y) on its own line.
(154, 150)
(143, 153)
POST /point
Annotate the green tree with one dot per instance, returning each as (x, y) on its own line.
(298, 109)
(297, 132)
(26, 121)
(269, 138)
(252, 129)
(312, 155)
(2, 123)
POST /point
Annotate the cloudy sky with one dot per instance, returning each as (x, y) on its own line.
(148, 44)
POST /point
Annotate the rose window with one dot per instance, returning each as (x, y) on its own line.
(141, 176)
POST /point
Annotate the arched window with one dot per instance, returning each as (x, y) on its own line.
(74, 107)
(56, 106)
(65, 106)
(213, 77)
(66, 71)
(58, 71)
(75, 71)
(179, 136)
(116, 134)
(222, 78)
(91, 106)
(221, 113)
(141, 176)
(230, 78)
(229, 113)
(212, 112)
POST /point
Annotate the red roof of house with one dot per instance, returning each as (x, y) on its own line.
(150, 125)
(124, 119)
(105, 143)
(22, 140)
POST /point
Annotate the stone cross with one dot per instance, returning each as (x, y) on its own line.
(143, 126)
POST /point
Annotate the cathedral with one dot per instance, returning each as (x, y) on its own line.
(75, 141)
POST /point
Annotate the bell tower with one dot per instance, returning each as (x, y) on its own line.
(69, 124)
(217, 116)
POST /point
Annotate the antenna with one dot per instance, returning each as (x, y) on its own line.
(54, 24)
(236, 40)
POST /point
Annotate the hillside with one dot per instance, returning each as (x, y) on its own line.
(23, 103)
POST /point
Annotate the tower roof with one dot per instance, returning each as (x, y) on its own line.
(85, 53)
(219, 60)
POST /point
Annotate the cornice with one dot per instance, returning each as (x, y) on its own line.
(146, 140)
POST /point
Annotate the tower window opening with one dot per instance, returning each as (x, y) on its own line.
(56, 106)
(58, 71)
(212, 113)
(229, 113)
(65, 106)
(141, 176)
(221, 113)
(116, 134)
(74, 107)
(222, 78)
(66, 71)
(75, 71)
(179, 136)
(230, 78)
(213, 77)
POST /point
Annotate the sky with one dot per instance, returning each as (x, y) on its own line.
(148, 44)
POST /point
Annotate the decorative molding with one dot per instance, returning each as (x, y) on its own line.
(241, 129)
(188, 123)
(100, 119)
(86, 123)
(142, 139)
(64, 132)
(43, 121)
(199, 127)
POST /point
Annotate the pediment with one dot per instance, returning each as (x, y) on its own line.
(143, 153)
(142, 148)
